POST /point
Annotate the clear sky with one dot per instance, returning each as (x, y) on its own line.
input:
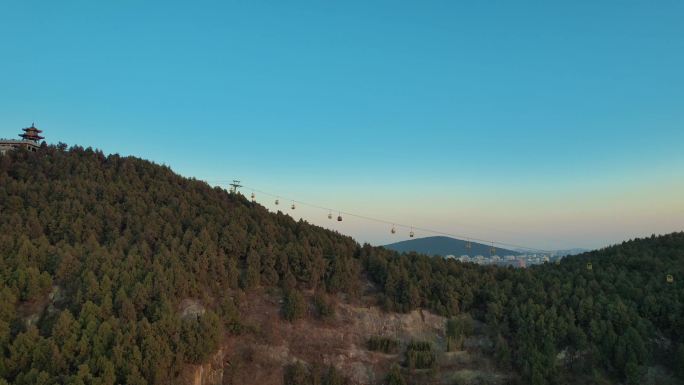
(548, 124)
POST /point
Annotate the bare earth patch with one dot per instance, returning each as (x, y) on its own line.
(258, 356)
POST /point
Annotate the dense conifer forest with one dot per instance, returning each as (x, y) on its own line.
(96, 253)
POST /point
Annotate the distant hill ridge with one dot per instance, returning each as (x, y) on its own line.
(443, 246)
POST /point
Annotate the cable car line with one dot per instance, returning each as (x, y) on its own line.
(469, 225)
(412, 228)
(394, 224)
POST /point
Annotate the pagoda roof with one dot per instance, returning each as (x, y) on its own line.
(31, 129)
(31, 136)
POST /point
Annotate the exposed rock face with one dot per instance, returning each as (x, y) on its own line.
(31, 312)
(191, 308)
(210, 373)
(257, 356)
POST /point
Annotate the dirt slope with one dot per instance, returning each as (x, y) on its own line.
(258, 356)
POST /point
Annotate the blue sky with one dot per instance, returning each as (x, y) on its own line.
(542, 123)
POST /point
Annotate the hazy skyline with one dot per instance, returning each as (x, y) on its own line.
(547, 125)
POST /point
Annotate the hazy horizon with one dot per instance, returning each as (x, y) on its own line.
(551, 126)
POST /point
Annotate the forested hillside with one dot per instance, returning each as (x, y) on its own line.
(616, 319)
(123, 241)
(97, 252)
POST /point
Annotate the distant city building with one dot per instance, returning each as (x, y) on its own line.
(520, 261)
(30, 140)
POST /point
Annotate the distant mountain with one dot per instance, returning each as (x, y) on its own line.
(444, 246)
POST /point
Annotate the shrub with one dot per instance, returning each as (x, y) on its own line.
(419, 355)
(325, 308)
(294, 305)
(383, 344)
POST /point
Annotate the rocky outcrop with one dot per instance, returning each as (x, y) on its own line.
(31, 312)
(210, 373)
(191, 308)
(257, 356)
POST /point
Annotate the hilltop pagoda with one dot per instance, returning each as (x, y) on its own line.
(30, 140)
(32, 133)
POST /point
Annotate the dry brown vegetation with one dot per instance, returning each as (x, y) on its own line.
(258, 355)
